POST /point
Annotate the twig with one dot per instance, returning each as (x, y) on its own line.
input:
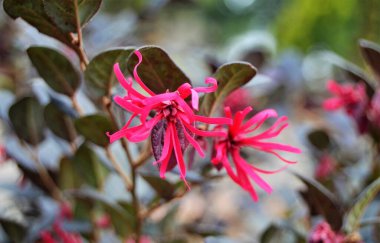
(118, 169)
(76, 106)
(79, 50)
(146, 154)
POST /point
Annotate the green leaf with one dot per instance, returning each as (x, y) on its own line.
(32, 11)
(26, 116)
(158, 72)
(68, 177)
(94, 128)
(62, 13)
(15, 231)
(230, 77)
(162, 187)
(59, 123)
(99, 74)
(89, 167)
(354, 215)
(371, 53)
(319, 139)
(55, 69)
(322, 202)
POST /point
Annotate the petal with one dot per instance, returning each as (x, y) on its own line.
(194, 99)
(210, 89)
(213, 120)
(137, 77)
(205, 133)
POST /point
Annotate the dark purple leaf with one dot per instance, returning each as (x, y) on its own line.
(371, 53)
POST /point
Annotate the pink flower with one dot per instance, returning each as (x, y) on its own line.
(325, 167)
(170, 107)
(238, 100)
(351, 97)
(241, 134)
(374, 109)
(323, 233)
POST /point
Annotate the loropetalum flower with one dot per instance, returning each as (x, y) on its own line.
(326, 165)
(323, 233)
(245, 134)
(351, 97)
(374, 109)
(171, 108)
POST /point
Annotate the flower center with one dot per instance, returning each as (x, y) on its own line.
(170, 110)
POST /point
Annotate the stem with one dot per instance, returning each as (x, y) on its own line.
(119, 170)
(44, 174)
(79, 44)
(76, 106)
(136, 204)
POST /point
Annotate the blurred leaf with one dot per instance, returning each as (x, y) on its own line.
(319, 139)
(371, 53)
(55, 69)
(89, 167)
(230, 77)
(162, 187)
(26, 116)
(6, 83)
(62, 13)
(322, 202)
(353, 72)
(158, 72)
(99, 74)
(68, 177)
(15, 231)
(94, 128)
(275, 233)
(59, 123)
(354, 215)
(32, 11)
(205, 230)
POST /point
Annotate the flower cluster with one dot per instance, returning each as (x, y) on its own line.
(246, 134)
(354, 100)
(175, 112)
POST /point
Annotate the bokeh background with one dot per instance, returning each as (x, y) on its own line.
(297, 45)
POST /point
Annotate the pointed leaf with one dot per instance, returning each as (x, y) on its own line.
(230, 77)
(32, 11)
(99, 74)
(322, 202)
(59, 123)
(354, 215)
(158, 72)
(94, 128)
(88, 166)
(62, 13)
(371, 53)
(26, 116)
(55, 69)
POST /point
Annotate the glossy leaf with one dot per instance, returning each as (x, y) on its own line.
(94, 128)
(99, 74)
(55, 69)
(32, 11)
(62, 13)
(158, 72)
(322, 202)
(230, 77)
(89, 167)
(371, 53)
(59, 123)
(26, 116)
(354, 215)
(162, 187)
